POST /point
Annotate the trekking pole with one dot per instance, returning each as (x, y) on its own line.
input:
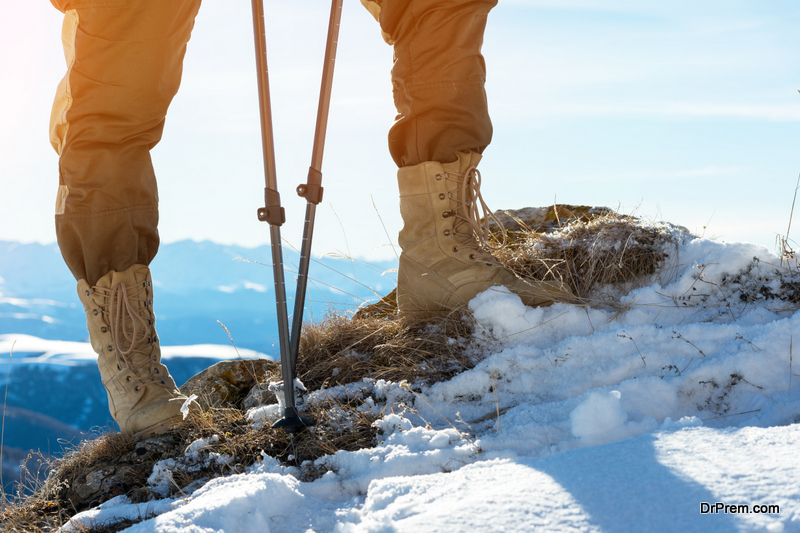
(273, 213)
(312, 192)
(312, 189)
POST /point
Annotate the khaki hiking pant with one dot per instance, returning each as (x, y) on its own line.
(124, 64)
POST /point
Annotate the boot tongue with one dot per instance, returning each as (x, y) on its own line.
(472, 214)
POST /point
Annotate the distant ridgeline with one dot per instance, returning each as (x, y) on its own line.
(196, 285)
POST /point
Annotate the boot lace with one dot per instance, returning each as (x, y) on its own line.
(469, 211)
(126, 312)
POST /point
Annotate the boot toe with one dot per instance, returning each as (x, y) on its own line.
(156, 418)
(426, 290)
(541, 293)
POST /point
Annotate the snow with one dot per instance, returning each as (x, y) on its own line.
(247, 285)
(186, 405)
(626, 418)
(601, 418)
(27, 349)
(654, 482)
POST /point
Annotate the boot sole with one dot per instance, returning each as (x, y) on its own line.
(158, 429)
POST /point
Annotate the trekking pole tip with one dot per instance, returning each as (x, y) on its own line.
(292, 422)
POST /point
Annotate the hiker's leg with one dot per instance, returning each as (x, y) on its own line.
(438, 77)
(124, 65)
(441, 129)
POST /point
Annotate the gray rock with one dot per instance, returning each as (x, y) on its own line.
(227, 383)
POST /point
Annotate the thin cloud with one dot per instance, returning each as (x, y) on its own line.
(708, 172)
(667, 109)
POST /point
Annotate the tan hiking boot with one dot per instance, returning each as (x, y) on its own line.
(444, 263)
(142, 396)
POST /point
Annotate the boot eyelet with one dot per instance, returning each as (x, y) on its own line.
(110, 347)
(149, 283)
(455, 248)
(128, 378)
(447, 214)
(472, 257)
(103, 329)
(119, 367)
(442, 196)
(447, 232)
(137, 388)
(438, 177)
(87, 292)
(489, 264)
(150, 302)
(163, 382)
(95, 312)
(158, 371)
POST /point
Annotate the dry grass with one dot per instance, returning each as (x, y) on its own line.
(588, 251)
(786, 252)
(339, 350)
(127, 464)
(40, 506)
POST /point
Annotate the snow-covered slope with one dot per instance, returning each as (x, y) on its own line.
(640, 418)
(654, 482)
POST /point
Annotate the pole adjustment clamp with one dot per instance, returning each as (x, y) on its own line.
(312, 190)
(272, 211)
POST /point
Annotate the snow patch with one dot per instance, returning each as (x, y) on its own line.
(600, 419)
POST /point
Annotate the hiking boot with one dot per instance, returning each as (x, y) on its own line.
(142, 396)
(444, 261)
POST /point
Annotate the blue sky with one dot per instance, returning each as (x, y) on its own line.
(679, 111)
